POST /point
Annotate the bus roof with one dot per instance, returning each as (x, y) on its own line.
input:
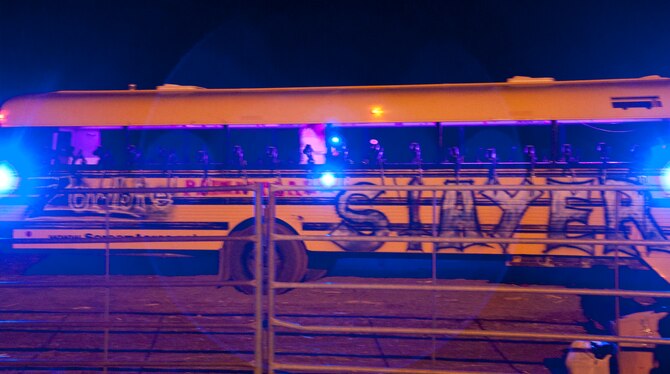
(519, 100)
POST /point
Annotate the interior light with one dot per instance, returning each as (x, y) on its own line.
(328, 179)
(3, 117)
(377, 111)
(335, 139)
(8, 178)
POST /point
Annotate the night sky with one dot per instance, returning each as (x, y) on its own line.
(98, 44)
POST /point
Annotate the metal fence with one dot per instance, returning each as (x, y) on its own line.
(276, 321)
(110, 323)
(265, 321)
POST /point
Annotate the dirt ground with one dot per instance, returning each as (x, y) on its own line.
(205, 328)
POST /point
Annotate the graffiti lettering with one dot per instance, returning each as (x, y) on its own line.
(569, 216)
(356, 222)
(136, 205)
(212, 182)
(191, 183)
(629, 207)
(513, 205)
(414, 225)
(626, 215)
(458, 218)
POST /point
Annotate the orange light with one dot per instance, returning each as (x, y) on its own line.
(2, 117)
(377, 111)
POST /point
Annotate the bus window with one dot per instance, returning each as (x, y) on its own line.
(255, 142)
(394, 139)
(619, 141)
(509, 142)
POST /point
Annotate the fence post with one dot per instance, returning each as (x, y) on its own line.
(260, 317)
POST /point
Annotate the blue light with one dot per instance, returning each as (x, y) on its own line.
(335, 139)
(328, 180)
(665, 178)
(8, 178)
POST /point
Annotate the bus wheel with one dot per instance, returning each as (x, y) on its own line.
(290, 259)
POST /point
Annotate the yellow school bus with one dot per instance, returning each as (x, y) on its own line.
(522, 132)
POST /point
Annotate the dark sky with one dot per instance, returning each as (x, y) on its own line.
(99, 44)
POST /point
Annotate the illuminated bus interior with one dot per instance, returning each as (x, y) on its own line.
(353, 146)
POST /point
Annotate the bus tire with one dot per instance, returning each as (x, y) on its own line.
(290, 258)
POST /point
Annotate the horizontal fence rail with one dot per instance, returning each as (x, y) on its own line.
(470, 240)
(427, 287)
(361, 369)
(465, 332)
